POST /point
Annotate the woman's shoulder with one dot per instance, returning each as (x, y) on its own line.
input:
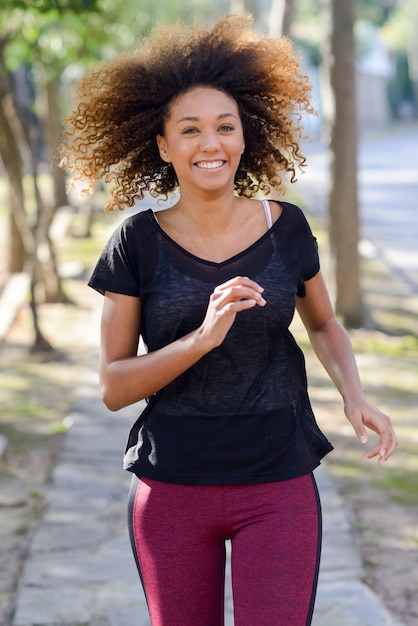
(293, 215)
(132, 235)
(135, 220)
(138, 226)
(287, 207)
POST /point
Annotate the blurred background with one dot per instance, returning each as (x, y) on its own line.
(361, 57)
(359, 190)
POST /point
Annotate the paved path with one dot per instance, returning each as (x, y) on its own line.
(80, 571)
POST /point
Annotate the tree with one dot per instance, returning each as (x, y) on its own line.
(18, 150)
(340, 113)
(282, 13)
(277, 20)
(401, 33)
(339, 65)
(43, 41)
(32, 248)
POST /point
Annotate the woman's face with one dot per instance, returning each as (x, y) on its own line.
(203, 140)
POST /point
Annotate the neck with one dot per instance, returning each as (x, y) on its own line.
(208, 209)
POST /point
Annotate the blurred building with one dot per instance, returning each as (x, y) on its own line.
(375, 70)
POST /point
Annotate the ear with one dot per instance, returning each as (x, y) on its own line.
(162, 146)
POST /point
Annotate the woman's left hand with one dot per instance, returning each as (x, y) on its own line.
(362, 414)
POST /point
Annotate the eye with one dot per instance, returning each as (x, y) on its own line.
(189, 131)
(226, 128)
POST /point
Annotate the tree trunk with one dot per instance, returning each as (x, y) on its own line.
(343, 198)
(49, 284)
(53, 135)
(12, 161)
(15, 138)
(282, 13)
(254, 7)
(16, 255)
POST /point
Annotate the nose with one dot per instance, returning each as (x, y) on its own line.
(209, 141)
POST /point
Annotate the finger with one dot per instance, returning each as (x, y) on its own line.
(239, 305)
(371, 453)
(237, 293)
(361, 433)
(243, 281)
(384, 449)
(356, 419)
(388, 440)
(388, 445)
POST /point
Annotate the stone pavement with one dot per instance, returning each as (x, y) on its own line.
(80, 570)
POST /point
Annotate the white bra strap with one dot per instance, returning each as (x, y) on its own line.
(266, 207)
(267, 212)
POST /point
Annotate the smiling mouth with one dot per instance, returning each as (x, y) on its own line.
(209, 165)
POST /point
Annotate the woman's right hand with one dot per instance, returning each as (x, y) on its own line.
(126, 377)
(228, 299)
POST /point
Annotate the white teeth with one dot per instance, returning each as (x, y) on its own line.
(209, 165)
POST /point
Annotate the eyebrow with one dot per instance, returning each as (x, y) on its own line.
(192, 118)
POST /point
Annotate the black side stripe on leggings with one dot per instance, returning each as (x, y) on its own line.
(318, 554)
(131, 503)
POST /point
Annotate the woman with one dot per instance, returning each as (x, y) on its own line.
(226, 447)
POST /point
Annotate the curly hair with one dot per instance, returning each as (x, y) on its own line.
(123, 104)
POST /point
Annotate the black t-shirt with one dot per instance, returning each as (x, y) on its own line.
(241, 414)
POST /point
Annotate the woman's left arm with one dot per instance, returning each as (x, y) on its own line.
(332, 346)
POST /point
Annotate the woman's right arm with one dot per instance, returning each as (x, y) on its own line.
(126, 377)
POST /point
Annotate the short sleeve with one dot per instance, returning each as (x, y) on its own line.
(310, 258)
(117, 269)
(305, 247)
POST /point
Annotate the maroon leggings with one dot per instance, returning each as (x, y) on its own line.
(178, 535)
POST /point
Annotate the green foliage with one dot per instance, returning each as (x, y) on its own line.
(399, 30)
(46, 34)
(44, 6)
(308, 27)
(306, 10)
(53, 34)
(376, 11)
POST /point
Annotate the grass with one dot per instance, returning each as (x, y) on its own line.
(392, 386)
(387, 359)
(36, 392)
(401, 486)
